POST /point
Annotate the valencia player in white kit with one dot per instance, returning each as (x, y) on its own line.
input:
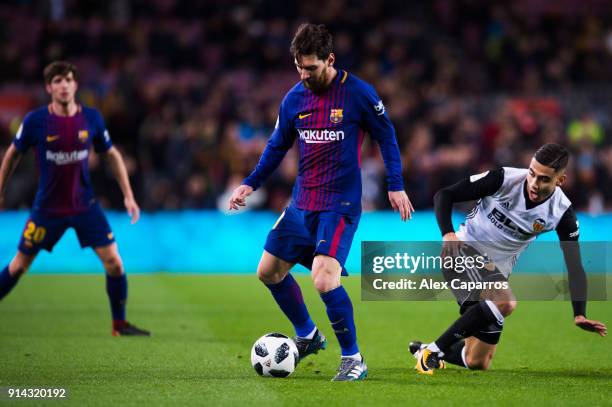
(515, 206)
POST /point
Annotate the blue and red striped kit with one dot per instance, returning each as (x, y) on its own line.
(329, 128)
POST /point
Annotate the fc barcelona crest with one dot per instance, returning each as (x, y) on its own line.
(538, 225)
(83, 136)
(335, 116)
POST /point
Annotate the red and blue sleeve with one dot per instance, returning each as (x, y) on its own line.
(377, 123)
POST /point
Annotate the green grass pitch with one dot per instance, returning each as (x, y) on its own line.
(55, 332)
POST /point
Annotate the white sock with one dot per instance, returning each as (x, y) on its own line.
(311, 334)
(433, 347)
(356, 356)
(463, 358)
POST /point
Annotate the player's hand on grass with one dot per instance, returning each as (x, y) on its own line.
(591, 325)
(132, 209)
(450, 245)
(239, 196)
(400, 202)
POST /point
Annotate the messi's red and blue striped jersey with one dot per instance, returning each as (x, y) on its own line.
(330, 129)
(62, 145)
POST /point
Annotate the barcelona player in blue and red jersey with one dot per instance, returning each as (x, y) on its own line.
(62, 134)
(327, 112)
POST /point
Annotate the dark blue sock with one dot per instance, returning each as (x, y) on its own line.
(289, 298)
(340, 313)
(7, 282)
(116, 288)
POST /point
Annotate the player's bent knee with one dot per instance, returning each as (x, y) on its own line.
(324, 283)
(270, 275)
(17, 268)
(20, 265)
(113, 266)
(325, 277)
(478, 363)
(271, 269)
(266, 276)
(262, 275)
(506, 307)
(18, 271)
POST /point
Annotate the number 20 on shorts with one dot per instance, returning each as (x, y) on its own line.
(33, 233)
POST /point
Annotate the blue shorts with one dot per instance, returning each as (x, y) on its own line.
(44, 231)
(299, 235)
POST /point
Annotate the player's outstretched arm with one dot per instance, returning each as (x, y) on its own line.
(9, 163)
(400, 202)
(239, 197)
(376, 122)
(569, 233)
(121, 175)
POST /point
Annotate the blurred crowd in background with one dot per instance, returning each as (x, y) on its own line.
(190, 89)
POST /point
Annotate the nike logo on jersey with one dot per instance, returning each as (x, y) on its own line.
(303, 116)
(51, 139)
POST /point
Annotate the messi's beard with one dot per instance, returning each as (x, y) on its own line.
(314, 86)
(319, 85)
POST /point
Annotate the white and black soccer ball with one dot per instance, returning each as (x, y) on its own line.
(274, 355)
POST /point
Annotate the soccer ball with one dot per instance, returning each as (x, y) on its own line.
(274, 355)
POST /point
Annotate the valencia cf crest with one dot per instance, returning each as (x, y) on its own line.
(538, 225)
(335, 116)
(83, 136)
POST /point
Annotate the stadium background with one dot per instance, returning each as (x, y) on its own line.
(190, 92)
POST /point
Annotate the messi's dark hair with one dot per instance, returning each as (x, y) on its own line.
(61, 68)
(552, 155)
(312, 39)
